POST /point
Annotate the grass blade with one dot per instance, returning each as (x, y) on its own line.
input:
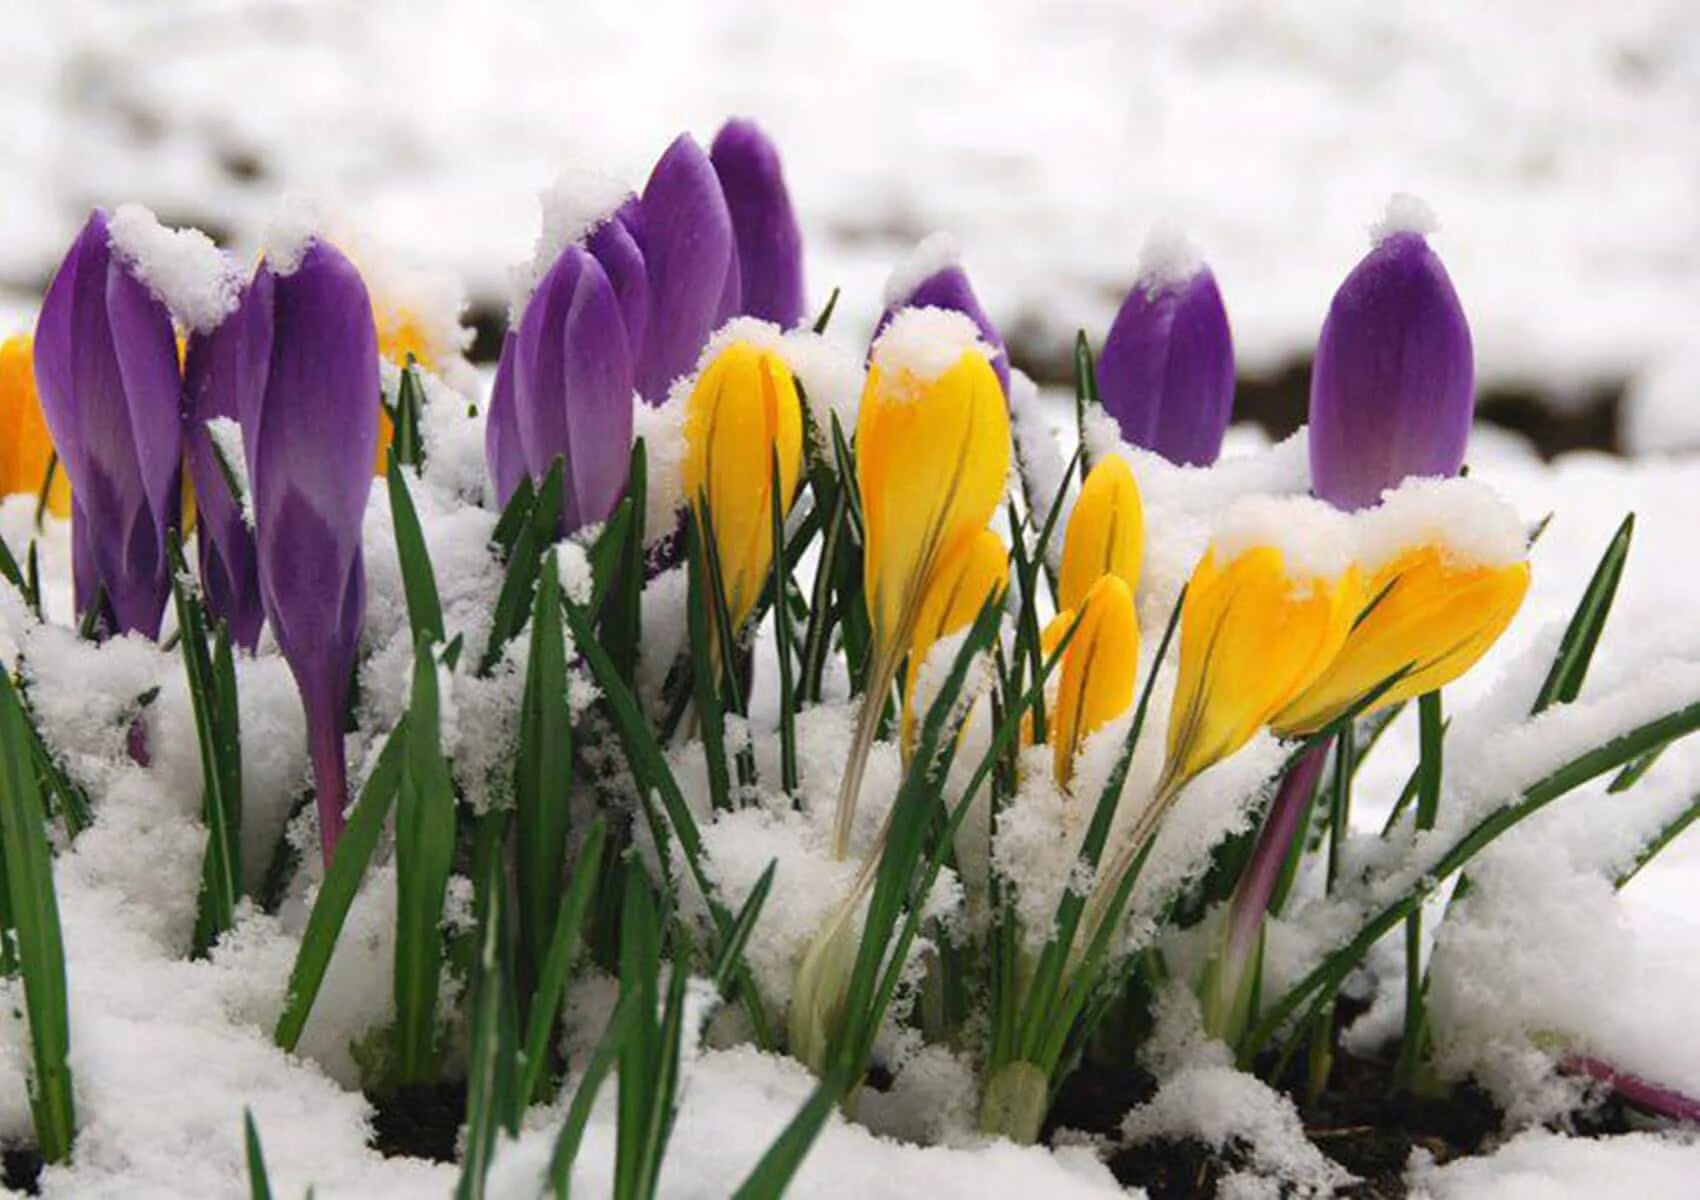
(418, 580)
(259, 1183)
(551, 981)
(1581, 637)
(543, 769)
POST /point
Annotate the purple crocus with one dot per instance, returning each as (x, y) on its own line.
(503, 454)
(1392, 390)
(1167, 371)
(945, 285)
(228, 560)
(684, 229)
(106, 365)
(573, 372)
(769, 243)
(309, 408)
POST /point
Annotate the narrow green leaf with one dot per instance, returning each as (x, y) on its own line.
(551, 984)
(338, 889)
(492, 1097)
(705, 680)
(259, 1183)
(825, 318)
(782, 635)
(537, 533)
(622, 611)
(46, 489)
(732, 947)
(602, 1061)
(418, 580)
(1664, 837)
(543, 768)
(1085, 390)
(515, 516)
(1576, 649)
(772, 1175)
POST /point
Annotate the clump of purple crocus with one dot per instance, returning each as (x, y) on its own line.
(106, 366)
(308, 399)
(1392, 391)
(933, 278)
(1167, 371)
(628, 306)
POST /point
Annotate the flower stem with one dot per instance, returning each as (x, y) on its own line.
(330, 777)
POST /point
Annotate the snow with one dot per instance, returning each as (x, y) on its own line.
(227, 437)
(1542, 1165)
(297, 221)
(183, 268)
(1471, 524)
(1405, 214)
(1314, 538)
(574, 207)
(934, 253)
(1168, 259)
(921, 344)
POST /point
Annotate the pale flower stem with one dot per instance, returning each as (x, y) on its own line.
(867, 726)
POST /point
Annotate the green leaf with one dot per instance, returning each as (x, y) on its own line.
(46, 489)
(492, 1095)
(34, 914)
(772, 1175)
(515, 517)
(825, 318)
(1671, 830)
(732, 947)
(418, 580)
(408, 445)
(537, 533)
(338, 889)
(705, 688)
(546, 1000)
(259, 1183)
(1576, 649)
(1085, 390)
(602, 1061)
(543, 768)
(622, 610)
(425, 834)
(782, 635)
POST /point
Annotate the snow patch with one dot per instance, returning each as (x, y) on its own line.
(924, 343)
(183, 268)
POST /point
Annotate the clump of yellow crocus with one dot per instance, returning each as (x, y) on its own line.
(932, 452)
(1429, 615)
(1105, 535)
(742, 412)
(26, 448)
(976, 571)
(1099, 666)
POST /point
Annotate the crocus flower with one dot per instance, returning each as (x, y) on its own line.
(742, 414)
(1253, 636)
(769, 243)
(1105, 534)
(1167, 371)
(1392, 389)
(1431, 614)
(213, 375)
(1098, 670)
(945, 286)
(106, 363)
(26, 450)
(572, 398)
(684, 230)
(932, 453)
(974, 572)
(310, 370)
(503, 454)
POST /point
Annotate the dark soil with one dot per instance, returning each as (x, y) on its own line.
(20, 1171)
(420, 1122)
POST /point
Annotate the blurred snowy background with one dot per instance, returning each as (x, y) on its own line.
(1559, 144)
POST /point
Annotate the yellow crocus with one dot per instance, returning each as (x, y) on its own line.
(1098, 671)
(742, 411)
(25, 445)
(1105, 535)
(1253, 636)
(1426, 613)
(976, 570)
(400, 333)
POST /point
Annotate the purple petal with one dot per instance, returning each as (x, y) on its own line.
(949, 288)
(146, 349)
(503, 453)
(769, 242)
(685, 233)
(1393, 386)
(613, 245)
(1167, 370)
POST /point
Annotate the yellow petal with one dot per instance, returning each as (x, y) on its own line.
(400, 333)
(1106, 533)
(975, 570)
(26, 448)
(1098, 671)
(743, 409)
(1252, 638)
(1424, 613)
(933, 456)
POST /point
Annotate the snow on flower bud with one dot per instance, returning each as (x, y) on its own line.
(1392, 389)
(1167, 371)
(933, 278)
(1098, 670)
(684, 230)
(213, 374)
(1105, 535)
(25, 447)
(503, 454)
(975, 571)
(572, 398)
(769, 243)
(1254, 634)
(106, 363)
(310, 359)
(741, 414)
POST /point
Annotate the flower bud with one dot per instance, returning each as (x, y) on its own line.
(503, 455)
(973, 572)
(1427, 612)
(310, 366)
(1167, 371)
(1392, 389)
(1105, 535)
(933, 278)
(25, 447)
(106, 362)
(769, 243)
(1098, 671)
(1253, 636)
(742, 412)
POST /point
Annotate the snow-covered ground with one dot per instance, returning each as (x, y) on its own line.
(1557, 142)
